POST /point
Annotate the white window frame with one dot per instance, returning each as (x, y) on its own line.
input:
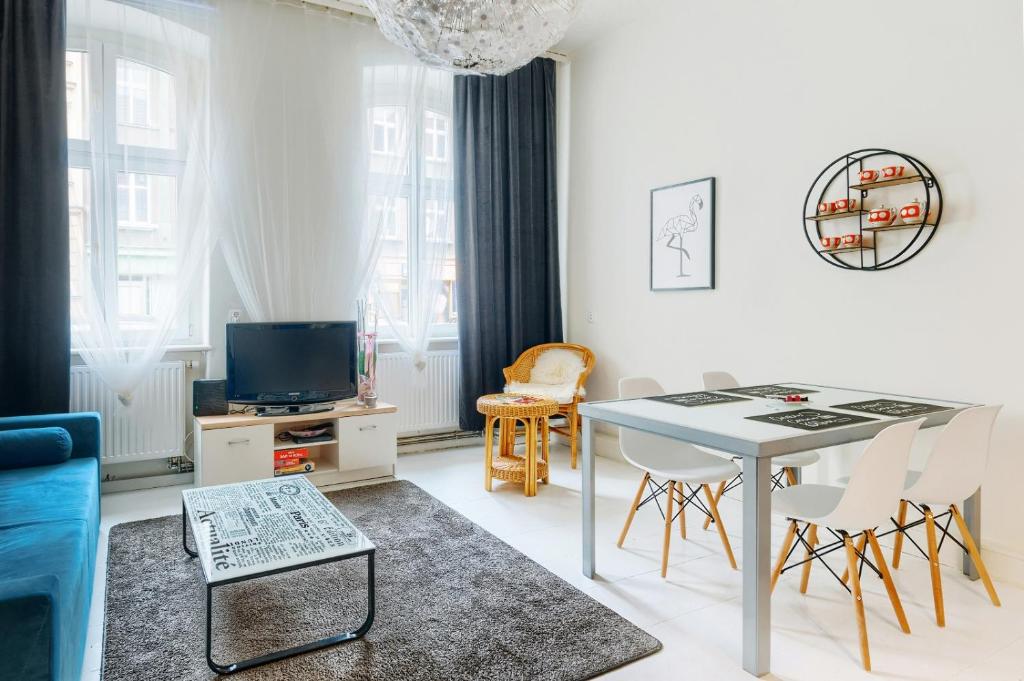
(412, 191)
(103, 158)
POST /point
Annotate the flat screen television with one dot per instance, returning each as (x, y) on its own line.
(291, 362)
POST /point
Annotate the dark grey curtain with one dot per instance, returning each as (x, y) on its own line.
(506, 224)
(34, 276)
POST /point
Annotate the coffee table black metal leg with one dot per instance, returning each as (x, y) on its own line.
(184, 532)
(298, 650)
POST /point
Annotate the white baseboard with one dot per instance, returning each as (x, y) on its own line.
(1005, 565)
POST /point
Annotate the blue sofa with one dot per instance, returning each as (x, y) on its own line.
(49, 528)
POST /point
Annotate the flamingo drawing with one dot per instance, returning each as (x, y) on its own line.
(677, 227)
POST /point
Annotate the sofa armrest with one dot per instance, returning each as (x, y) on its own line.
(27, 635)
(84, 428)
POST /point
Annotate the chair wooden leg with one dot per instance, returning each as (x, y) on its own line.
(890, 588)
(861, 545)
(632, 509)
(718, 497)
(713, 507)
(972, 551)
(790, 476)
(669, 499)
(812, 540)
(897, 544)
(787, 544)
(858, 601)
(574, 437)
(682, 510)
(488, 451)
(933, 562)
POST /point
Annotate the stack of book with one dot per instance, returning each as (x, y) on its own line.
(291, 461)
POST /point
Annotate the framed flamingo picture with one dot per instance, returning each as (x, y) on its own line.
(683, 236)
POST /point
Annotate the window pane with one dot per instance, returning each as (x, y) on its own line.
(79, 214)
(435, 146)
(439, 230)
(76, 69)
(146, 111)
(435, 137)
(387, 137)
(391, 278)
(146, 246)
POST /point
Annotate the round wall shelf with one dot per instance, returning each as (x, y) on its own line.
(876, 246)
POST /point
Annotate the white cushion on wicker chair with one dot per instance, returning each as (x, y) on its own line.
(554, 375)
(562, 394)
(557, 366)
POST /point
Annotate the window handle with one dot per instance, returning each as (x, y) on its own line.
(239, 442)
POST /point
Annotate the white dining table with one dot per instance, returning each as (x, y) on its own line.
(727, 427)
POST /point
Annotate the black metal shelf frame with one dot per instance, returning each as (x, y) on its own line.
(841, 168)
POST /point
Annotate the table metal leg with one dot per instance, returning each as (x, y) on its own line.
(972, 516)
(298, 650)
(587, 484)
(757, 539)
(184, 532)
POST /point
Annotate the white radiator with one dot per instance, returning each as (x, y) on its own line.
(152, 428)
(428, 400)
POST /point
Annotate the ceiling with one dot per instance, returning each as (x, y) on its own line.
(596, 17)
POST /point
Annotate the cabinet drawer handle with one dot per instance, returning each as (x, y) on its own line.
(239, 442)
(368, 428)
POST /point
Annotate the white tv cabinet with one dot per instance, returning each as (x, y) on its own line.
(240, 447)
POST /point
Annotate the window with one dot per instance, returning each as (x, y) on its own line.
(419, 221)
(132, 199)
(133, 94)
(386, 122)
(76, 68)
(123, 176)
(435, 133)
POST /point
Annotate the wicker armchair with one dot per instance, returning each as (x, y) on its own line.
(520, 372)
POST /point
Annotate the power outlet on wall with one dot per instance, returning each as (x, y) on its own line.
(590, 317)
(234, 316)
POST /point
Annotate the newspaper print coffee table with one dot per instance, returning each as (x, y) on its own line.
(255, 529)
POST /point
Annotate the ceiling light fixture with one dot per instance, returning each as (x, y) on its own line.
(474, 36)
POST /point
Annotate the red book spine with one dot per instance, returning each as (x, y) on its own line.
(294, 453)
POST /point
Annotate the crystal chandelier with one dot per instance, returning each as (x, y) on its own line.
(474, 36)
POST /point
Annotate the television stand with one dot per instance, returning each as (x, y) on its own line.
(290, 409)
(241, 447)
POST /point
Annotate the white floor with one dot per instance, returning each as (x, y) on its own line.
(696, 611)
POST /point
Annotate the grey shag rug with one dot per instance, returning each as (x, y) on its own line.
(453, 602)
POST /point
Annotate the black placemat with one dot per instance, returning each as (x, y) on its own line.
(895, 408)
(697, 399)
(811, 419)
(772, 389)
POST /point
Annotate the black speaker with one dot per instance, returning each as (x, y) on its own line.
(209, 397)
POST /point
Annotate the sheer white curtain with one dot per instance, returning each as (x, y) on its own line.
(410, 194)
(318, 129)
(138, 98)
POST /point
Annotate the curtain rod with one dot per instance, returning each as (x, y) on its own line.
(363, 11)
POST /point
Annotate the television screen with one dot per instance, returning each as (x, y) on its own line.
(291, 362)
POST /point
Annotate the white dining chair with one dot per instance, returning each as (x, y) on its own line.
(845, 512)
(953, 472)
(787, 465)
(685, 469)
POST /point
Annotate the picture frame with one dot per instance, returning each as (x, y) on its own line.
(682, 239)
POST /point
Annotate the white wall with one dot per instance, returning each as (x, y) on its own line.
(762, 95)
